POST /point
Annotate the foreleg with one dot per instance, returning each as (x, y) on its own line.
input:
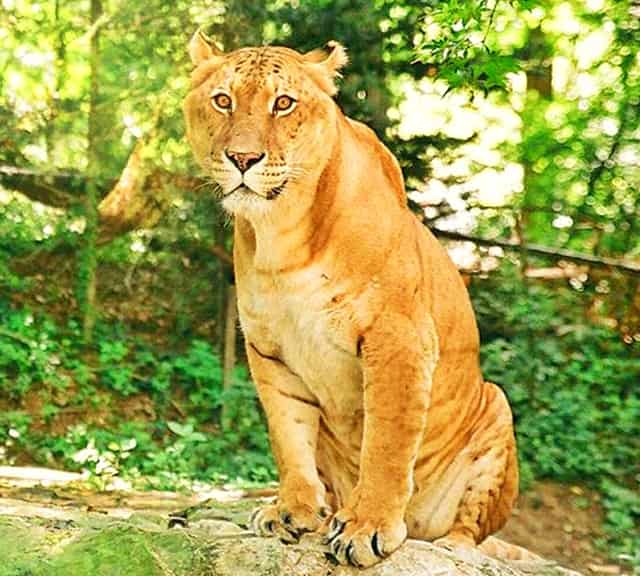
(293, 420)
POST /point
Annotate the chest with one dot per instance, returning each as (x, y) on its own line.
(293, 320)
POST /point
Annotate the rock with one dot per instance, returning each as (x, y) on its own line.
(610, 569)
(31, 476)
(47, 532)
(41, 547)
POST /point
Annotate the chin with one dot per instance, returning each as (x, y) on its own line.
(243, 202)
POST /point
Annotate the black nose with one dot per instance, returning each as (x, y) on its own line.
(244, 160)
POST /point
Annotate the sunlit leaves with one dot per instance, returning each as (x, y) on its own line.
(459, 43)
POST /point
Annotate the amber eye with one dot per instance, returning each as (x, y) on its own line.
(283, 104)
(222, 101)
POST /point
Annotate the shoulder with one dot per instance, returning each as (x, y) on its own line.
(390, 164)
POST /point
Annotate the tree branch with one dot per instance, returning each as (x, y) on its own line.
(220, 253)
(46, 190)
(628, 267)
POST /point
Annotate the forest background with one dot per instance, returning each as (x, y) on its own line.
(517, 127)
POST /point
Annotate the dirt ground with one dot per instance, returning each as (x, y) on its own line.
(560, 523)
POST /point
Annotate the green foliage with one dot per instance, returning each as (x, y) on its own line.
(622, 507)
(162, 454)
(8, 279)
(456, 42)
(30, 353)
(39, 359)
(14, 429)
(24, 226)
(573, 390)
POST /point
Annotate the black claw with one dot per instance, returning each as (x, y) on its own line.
(349, 553)
(336, 546)
(335, 528)
(177, 522)
(331, 558)
(285, 517)
(295, 534)
(375, 546)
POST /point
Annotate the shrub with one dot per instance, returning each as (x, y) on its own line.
(573, 388)
(38, 357)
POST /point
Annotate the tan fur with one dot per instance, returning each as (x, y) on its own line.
(360, 334)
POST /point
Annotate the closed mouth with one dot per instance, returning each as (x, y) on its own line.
(236, 189)
(270, 195)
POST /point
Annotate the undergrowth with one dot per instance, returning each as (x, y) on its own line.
(573, 388)
(179, 437)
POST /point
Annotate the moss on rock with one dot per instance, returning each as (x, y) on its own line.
(210, 544)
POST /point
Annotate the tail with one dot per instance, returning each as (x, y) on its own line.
(502, 550)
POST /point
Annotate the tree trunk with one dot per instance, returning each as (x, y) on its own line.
(231, 321)
(59, 75)
(88, 260)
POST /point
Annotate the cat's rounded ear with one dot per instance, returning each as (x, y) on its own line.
(325, 64)
(202, 48)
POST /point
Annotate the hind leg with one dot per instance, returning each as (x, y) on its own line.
(489, 496)
(474, 496)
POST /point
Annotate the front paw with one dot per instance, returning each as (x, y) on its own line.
(362, 540)
(288, 523)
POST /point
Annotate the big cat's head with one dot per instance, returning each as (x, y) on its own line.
(258, 119)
